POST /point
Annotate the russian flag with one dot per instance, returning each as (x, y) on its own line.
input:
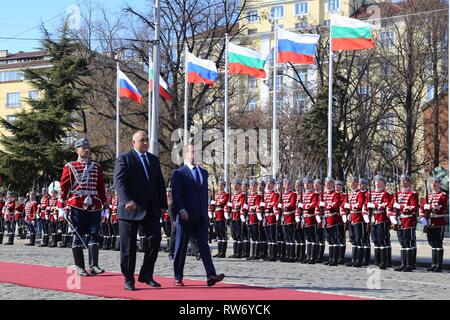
(296, 48)
(200, 70)
(127, 89)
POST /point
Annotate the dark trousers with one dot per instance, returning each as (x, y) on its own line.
(31, 227)
(379, 234)
(311, 234)
(435, 237)
(128, 229)
(167, 227)
(262, 233)
(221, 230)
(361, 235)
(173, 234)
(299, 234)
(320, 236)
(332, 237)
(280, 235)
(288, 232)
(341, 234)
(253, 230)
(200, 233)
(84, 223)
(244, 232)
(407, 238)
(271, 231)
(11, 226)
(2, 225)
(351, 234)
(236, 230)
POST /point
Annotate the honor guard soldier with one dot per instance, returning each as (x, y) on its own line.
(218, 207)
(83, 189)
(260, 213)
(2, 218)
(432, 216)
(235, 204)
(281, 245)
(115, 242)
(331, 218)
(106, 237)
(299, 236)
(308, 204)
(339, 187)
(363, 186)
(320, 227)
(244, 231)
(42, 217)
(287, 210)
(354, 204)
(9, 209)
(253, 203)
(31, 208)
(167, 220)
(53, 218)
(380, 202)
(271, 200)
(19, 218)
(406, 206)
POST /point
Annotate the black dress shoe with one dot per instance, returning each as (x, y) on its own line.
(151, 283)
(212, 280)
(129, 286)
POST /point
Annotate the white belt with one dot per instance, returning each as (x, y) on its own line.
(330, 214)
(437, 216)
(289, 212)
(219, 209)
(405, 216)
(85, 193)
(309, 215)
(378, 212)
(356, 211)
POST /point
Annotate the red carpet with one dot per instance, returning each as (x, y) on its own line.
(110, 285)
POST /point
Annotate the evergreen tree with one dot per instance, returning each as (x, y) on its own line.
(34, 152)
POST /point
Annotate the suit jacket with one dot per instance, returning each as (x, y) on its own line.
(131, 184)
(188, 195)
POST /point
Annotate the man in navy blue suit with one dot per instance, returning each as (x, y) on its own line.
(140, 185)
(190, 200)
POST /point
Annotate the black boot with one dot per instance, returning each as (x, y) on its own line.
(78, 258)
(414, 258)
(258, 246)
(321, 252)
(314, 253)
(298, 252)
(167, 245)
(330, 255)
(302, 252)
(440, 260)
(245, 249)
(62, 243)
(10, 239)
(403, 260)
(69, 240)
(239, 250)
(359, 257)
(366, 260)
(308, 253)
(264, 251)
(389, 258)
(113, 242)
(32, 240)
(434, 258)
(383, 258)
(341, 258)
(1, 238)
(52, 243)
(282, 254)
(409, 261)
(334, 261)
(354, 257)
(235, 248)
(377, 257)
(107, 245)
(253, 251)
(93, 259)
(219, 249)
(45, 239)
(290, 252)
(117, 246)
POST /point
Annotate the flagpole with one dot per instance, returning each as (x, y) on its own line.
(154, 144)
(225, 161)
(330, 111)
(448, 114)
(186, 96)
(149, 109)
(117, 110)
(274, 107)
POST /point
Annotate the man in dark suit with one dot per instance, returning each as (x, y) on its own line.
(190, 200)
(140, 185)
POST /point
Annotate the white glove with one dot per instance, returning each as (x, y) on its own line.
(245, 206)
(229, 204)
(300, 205)
(372, 219)
(297, 219)
(366, 218)
(280, 206)
(213, 202)
(318, 219)
(209, 214)
(227, 216)
(393, 220)
(242, 218)
(322, 204)
(61, 213)
(277, 216)
(347, 206)
(396, 205)
(344, 218)
(262, 204)
(355, 207)
(424, 221)
(427, 206)
(371, 205)
(259, 216)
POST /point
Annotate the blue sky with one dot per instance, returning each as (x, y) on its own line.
(21, 18)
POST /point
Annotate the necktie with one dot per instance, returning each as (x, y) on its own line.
(197, 177)
(146, 166)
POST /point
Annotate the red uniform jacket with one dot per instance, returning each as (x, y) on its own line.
(73, 193)
(253, 202)
(10, 207)
(2, 204)
(409, 205)
(383, 202)
(288, 206)
(436, 214)
(31, 208)
(114, 205)
(310, 202)
(221, 200)
(53, 209)
(271, 200)
(43, 207)
(332, 201)
(357, 200)
(237, 203)
(19, 214)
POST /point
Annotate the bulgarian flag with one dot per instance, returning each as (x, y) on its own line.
(163, 88)
(350, 34)
(245, 61)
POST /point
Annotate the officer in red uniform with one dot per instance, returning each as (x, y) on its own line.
(287, 216)
(432, 216)
(244, 233)
(320, 223)
(381, 202)
(217, 207)
(339, 187)
(105, 226)
(31, 208)
(406, 206)
(2, 218)
(9, 210)
(270, 204)
(260, 213)
(167, 220)
(115, 242)
(250, 211)
(19, 218)
(83, 189)
(299, 235)
(235, 204)
(53, 218)
(42, 217)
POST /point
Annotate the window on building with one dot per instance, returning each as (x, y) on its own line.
(252, 31)
(277, 12)
(7, 76)
(303, 74)
(252, 83)
(430, 92)
(11, 118)
(252, 16)
(301, 25)
(333, 5)
(33, 94)
(387, 39)
(13, 100)
(326, 22)
(300, 100)
(387, 122)
(387, 67)
(301, 8)
(363, 90)
(251, 104)
(279, 83)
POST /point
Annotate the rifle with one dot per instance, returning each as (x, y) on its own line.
(369, 224)
(397, 211)
(425, 227)
(347, 210)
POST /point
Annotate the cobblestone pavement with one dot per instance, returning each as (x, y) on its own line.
(361, 282)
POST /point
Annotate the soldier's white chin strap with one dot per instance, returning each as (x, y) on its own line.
(83, 159)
